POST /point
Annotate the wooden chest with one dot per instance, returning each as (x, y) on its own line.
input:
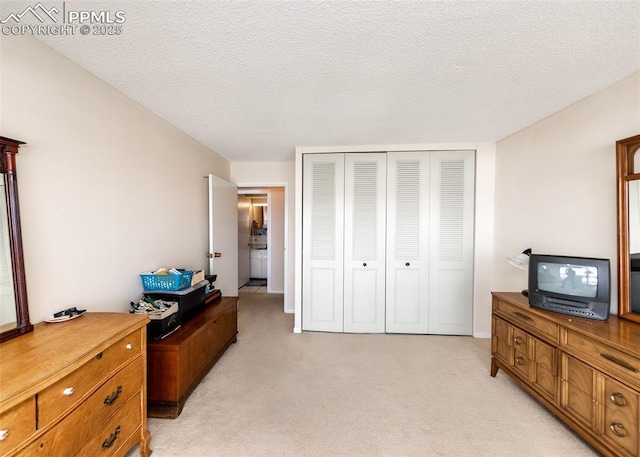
(179, 362)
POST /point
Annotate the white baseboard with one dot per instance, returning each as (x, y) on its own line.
(482, 335)
(297, 330)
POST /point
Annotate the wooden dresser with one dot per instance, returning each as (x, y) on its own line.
(178, 362)
(75, 388)
(586, 372)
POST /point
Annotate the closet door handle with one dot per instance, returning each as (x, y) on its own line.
(407, 264)
(364, 264)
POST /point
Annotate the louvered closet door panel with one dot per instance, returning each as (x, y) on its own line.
(451, 242)
(407, 306)
(364, 249)
(322, 242)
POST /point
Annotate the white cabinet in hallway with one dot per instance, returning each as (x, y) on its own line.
(258, 267)
(388, 242)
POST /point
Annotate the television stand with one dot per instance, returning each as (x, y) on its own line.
(585, 371)
(177, 363)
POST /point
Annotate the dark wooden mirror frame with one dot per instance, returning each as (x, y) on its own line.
(8, 150)
(625, 152)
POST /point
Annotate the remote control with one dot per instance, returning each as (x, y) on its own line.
(69, 312)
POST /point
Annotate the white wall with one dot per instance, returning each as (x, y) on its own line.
(556, 183)
(277, 251)
(274, 174)
(107, 189)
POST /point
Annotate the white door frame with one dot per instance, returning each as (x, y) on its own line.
(259, 191)
(262, 187)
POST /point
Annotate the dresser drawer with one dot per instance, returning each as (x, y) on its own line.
(526, 319)
(611, 359)
(115, 432)
(619, 431)
(544, 376)
(17, 424)
(577, 389)
(622, 400)
(501, 340)
(73, 432)
(59, 397)
(501, 330)
(621, 415)
(521, 361)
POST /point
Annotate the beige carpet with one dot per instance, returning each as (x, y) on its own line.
(275, 393)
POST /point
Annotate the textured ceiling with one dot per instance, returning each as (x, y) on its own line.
(253, 79)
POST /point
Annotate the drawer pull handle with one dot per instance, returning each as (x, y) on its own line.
(522, 316)
(517, 340)
(129, 346)
(68, 391)
(622, 363)
(99, 356)
(112, 439)
(520, 360)
(618, 429)
(4, 434)
(111, 399)
(618, 399)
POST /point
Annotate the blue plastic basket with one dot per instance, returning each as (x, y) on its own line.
(167, 282)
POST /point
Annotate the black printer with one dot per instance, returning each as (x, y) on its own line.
(190, 300)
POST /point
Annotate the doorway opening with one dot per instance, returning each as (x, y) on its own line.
(261, 239)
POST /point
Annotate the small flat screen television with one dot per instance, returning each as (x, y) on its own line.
(578, 286)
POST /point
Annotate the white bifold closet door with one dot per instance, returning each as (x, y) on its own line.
(364, 242)
(388, 242)
(452, 190)
(430, 199)
(407, 294)
(344, 242)
(322, 242)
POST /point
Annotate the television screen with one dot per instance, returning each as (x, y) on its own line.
(579, 286)
(568, 279)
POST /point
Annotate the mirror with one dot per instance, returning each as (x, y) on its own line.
(258, 211)
(628, 190)
(14, 310)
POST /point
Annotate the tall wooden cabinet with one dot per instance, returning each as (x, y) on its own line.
(586, 372)
(388, 242)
